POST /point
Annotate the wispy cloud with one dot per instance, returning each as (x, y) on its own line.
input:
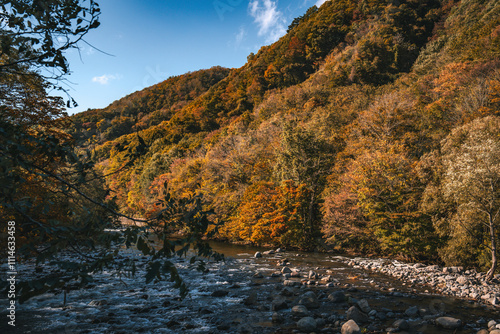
(240, 36)
(268, 18)
(106, 78)
(320, 2)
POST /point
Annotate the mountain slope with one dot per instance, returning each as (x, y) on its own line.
(329, 137)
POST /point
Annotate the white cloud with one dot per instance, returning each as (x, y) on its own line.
(269, 19)
(105, 79)
(240, 36)
(320, 2)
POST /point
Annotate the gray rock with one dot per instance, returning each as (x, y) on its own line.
(492, 323)
(279, 304)
(306, 324)
(448, 322)
(286, 292)
(495, 331)
(309, 300)
(258, 254)
(300, 311)
(364, 306)
(350, 327)
(269, 252)
(483, 331)
(355, 314)
(462, 280)
(337, 297)
(286, 270)
(401, 325)
(412, 311)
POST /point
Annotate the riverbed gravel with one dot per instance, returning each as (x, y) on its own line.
(276, 292)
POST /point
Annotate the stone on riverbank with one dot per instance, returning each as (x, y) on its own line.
(309, 300)
(350, 327)
(412, 311)
(401, 325)
(299, 311)
(448, 322)
(364, 306)
(307, 324)
(337, 297)
(357, 315)
(279, 304)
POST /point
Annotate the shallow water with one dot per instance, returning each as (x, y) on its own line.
(375, 285)
(127, 304)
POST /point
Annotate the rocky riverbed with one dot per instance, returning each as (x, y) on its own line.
(276, 292)
(452, 281)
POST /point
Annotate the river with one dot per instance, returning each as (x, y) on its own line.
(246, 294)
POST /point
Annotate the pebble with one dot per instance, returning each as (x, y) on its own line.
(452, 281)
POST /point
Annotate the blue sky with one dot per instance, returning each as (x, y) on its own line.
(151, 40)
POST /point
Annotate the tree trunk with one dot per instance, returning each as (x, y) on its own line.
(491, 272)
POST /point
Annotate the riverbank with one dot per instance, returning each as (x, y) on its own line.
(279, 292)
(451, 281)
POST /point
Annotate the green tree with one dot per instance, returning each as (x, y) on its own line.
(388, 193)
(35, 33)
(305, 158)
(471, 181)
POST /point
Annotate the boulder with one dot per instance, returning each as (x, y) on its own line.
(300, 311)
(286, 292)
(286, 270)
(279, 304)
(364, 306)
(355, 314)
(350, 327)
(448, 322)
(258, 254)
(401, 325)
(309, 300)
(306, 324)
(337, 297)
(412, 311)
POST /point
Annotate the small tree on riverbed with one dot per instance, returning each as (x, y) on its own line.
(471, 181)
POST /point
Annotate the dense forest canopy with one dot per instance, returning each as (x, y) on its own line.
(337, 136)
(361, 130)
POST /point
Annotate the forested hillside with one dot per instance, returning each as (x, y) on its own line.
(372, 126)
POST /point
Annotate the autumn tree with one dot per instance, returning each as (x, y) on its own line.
(471, 181)
(305, 158)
